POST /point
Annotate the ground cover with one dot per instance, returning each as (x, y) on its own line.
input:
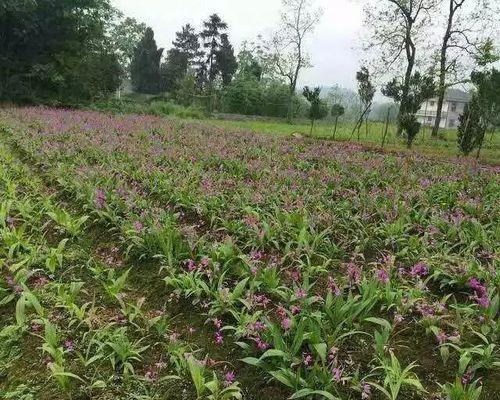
(220, 262)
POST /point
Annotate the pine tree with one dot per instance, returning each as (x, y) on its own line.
(186, 42)
(226, 61)
(174, 69)
(145, 66)
(211, 35)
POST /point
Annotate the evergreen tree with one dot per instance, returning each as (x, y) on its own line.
(211, 35)
(187, 43)
(145, 66)
(226, 61)
(174, 69)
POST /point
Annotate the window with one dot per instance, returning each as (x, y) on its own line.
(452, 123)
(432, 103)
(453, 106)
(429, 119)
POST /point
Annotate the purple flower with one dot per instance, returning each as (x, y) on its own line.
(366, 391)
(307, 359)
(337, 374)
(261, 344)
(332, 286)
(286, 323)
(218, 337)
(99, 198)
(300, 294)
(442, 337)
(382, 276)
(419, 269)
(69, 345)
(467, 377)
(138, 226)
(229, 378)
(353, 273)
(295, 310)
(480, 293)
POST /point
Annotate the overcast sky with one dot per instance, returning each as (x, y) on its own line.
(332, 46)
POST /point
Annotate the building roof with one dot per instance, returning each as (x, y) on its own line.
(456, 95)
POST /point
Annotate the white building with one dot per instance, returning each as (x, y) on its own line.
(453, 106)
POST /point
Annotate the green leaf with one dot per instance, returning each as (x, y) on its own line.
(309, 392)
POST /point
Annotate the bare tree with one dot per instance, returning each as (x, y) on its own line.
(395, 26)
(466, 21)
(286, 46)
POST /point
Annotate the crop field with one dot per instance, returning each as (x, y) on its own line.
(151, 258)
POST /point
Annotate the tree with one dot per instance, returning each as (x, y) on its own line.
(173, 69)
(337, 111)
(226, 61)
(470, 127)
(248, 65)
(396, 25)
(318, 108)
(125, 34)
(366, 91)
(55, 51)
(145, 66)
(481, 112)
(419, 89)
(460, 38)
(211, 34)
(186, 42)
(298, 19)
(244, 95)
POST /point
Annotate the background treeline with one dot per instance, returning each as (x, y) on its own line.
(57, 51)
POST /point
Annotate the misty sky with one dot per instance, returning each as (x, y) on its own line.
(332, 46)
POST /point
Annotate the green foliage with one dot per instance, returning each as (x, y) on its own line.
(56, 52)
(411, 127)
(318, 109)
(470, 130)
(226, 61)
(145, 65)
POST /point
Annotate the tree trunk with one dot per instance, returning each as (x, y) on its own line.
(442, 67)
(410, 57)
(312, 126)
(335, 127)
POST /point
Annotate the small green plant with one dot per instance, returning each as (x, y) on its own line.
(396, 378)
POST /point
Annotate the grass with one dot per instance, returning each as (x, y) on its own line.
(445, 144)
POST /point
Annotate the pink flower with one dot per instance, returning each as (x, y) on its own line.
(69, 345)
(300, 294)
(286, 323)
(332, 353)
(217, 323)
(295, 310)
(191, 265)
(366, 391)
(382, 276)
(442, 337)
(218, 337)
(467, 377)
(353, 273)
(332, 286)
(229, 378)
(138, 226)
(99, 198)
(261, 344)
(419, 269)
(281, 312)
(337, 374)
(307, 359)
